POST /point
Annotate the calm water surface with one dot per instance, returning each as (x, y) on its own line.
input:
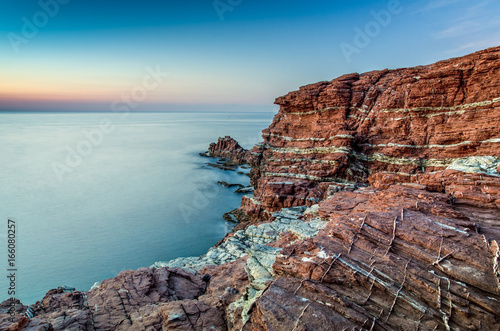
(139, 194)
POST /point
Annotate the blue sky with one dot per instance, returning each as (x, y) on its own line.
(231, 55)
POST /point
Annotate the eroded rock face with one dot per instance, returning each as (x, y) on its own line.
(230, 149)
(241, 267)
(117, 302)
(400, 258)
(192, 315)
(403, 122)
(133, 300)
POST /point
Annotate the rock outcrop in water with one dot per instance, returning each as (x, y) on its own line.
(376, 207)
(229, 148)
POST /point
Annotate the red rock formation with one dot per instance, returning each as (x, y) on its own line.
(402, 258)
(424, 255)
(132, 300)
(358, 128)
(230, 149)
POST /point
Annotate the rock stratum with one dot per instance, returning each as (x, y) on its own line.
(376, 207)
(380, 128)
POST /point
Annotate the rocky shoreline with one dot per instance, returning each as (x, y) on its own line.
(376, 206)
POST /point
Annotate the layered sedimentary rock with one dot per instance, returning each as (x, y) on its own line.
(389, 125)
(398, 258)
(401, 258)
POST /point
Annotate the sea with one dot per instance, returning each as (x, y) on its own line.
(92, 194)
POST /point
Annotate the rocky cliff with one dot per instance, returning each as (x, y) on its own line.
(377, 207)
(378, 128)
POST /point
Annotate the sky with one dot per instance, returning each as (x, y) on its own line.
(222, 55)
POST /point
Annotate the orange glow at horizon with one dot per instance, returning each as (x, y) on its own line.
(172, 92)
(30, 84)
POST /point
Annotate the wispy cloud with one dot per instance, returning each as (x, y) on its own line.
(475, 45)
(475, 19)
(474, 26)
(467, 27)
(434, 5)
